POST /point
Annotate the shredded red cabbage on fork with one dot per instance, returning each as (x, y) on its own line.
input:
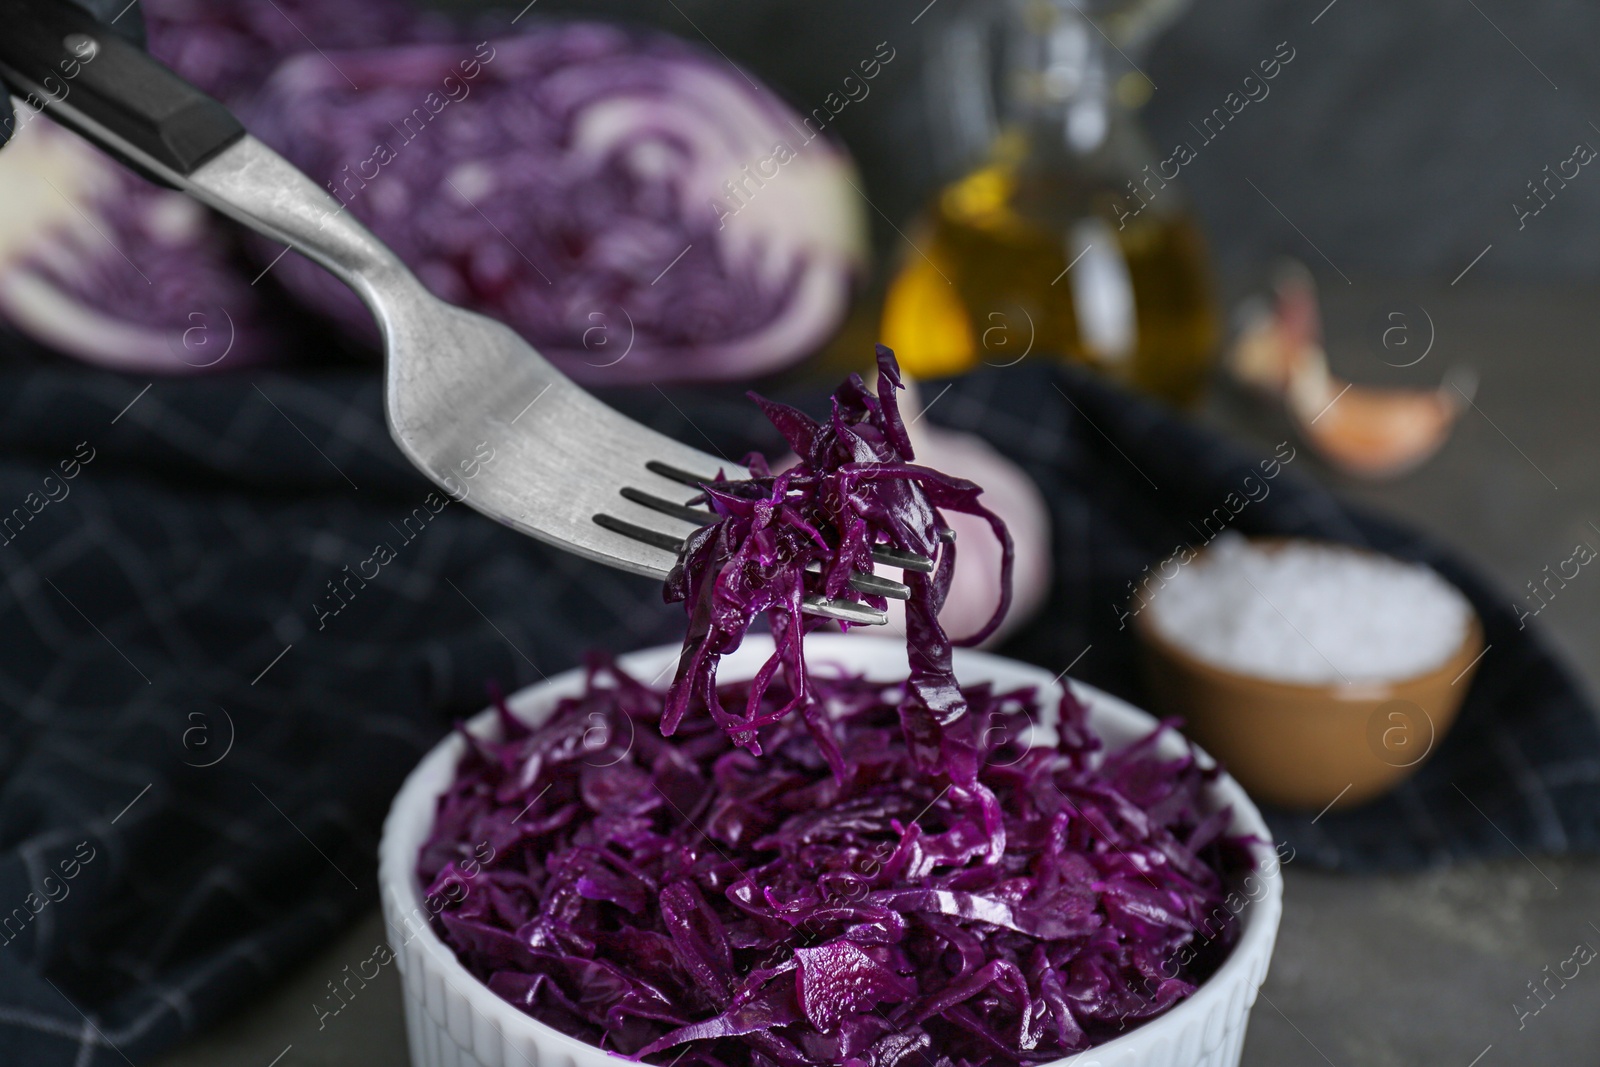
(855, 487)
(680, 900)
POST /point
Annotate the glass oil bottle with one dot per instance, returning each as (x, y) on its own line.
(1065, 239)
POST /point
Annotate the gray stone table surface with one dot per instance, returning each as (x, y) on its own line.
(1407, 970)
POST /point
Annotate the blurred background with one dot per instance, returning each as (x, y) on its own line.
(1397, 144)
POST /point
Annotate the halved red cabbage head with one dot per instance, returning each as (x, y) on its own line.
(97, 263)
(580, 183)
(229, 47)
(680, 900)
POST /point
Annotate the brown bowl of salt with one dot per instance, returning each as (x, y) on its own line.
(1319, 674)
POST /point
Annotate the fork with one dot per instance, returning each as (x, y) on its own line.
(469, 402)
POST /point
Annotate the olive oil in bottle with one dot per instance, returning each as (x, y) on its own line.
(1064, 242)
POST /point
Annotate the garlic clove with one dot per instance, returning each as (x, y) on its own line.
(1372, 432)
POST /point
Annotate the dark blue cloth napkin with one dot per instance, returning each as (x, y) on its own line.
(212, 681)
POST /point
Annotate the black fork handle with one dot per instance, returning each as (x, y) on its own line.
(59, 59)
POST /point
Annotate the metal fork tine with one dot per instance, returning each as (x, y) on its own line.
(843, 610)
(872, 584)
(877, 585)
(906, 561)
(640, 533)
(861, 581)
(698, 516)
(683, 477)
(889, 557)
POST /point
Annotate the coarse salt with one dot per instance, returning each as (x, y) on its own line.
(1309, 613)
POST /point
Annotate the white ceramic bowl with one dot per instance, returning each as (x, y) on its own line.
(453, 1020)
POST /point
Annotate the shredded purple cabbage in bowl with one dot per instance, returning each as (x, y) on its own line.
(97, 263)
(679, 899)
